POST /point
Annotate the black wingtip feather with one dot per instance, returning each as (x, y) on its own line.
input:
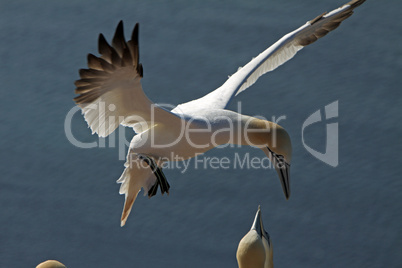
(94, 62)
(135, 50)
(355, 3)
(90, 73)
(140, 70)
(103, 46)
(116, 60)
(127, 60)
(112, 57)
(118, 41)
(134, 34)
(317, 18)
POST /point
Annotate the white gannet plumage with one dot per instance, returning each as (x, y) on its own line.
(110, 94)
(255, 249)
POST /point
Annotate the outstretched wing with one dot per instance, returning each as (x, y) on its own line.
(277, 54)
(110, 91)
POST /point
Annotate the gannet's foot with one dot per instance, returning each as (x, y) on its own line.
(160, 177)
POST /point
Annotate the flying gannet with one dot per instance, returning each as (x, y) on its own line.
(110, 94)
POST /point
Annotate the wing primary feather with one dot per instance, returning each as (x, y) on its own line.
(135, 50)
(317, 18)
(93, 62)
(87, 97)
(134, 41)
(91, 73)
(355, 3)
(116, 60)
(84, 89)
(82, 82)
(118, 41)
(104, 48)
(107, 67)
(140, 70)
(88, 81)
(345, 15)
(332, 25)
(127, 60)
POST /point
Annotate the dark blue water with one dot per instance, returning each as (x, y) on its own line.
(61, 202)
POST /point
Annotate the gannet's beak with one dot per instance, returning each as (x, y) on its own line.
(257, 224)
(283, 171)
(264, 233)
(251, 251)
(282, 168)
(266, 241)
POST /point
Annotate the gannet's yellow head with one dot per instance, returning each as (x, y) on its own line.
(275, 142)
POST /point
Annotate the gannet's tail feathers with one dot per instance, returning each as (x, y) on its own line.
(135, 176)
(140, 172)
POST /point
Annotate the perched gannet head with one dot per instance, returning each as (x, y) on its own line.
(266, 240)
(51, 264)
(255, 248)
(275, 142)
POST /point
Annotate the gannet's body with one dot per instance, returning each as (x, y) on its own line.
(206, 130)
(255, 249)
(111, 94)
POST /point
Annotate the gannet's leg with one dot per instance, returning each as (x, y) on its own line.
(160, 177)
